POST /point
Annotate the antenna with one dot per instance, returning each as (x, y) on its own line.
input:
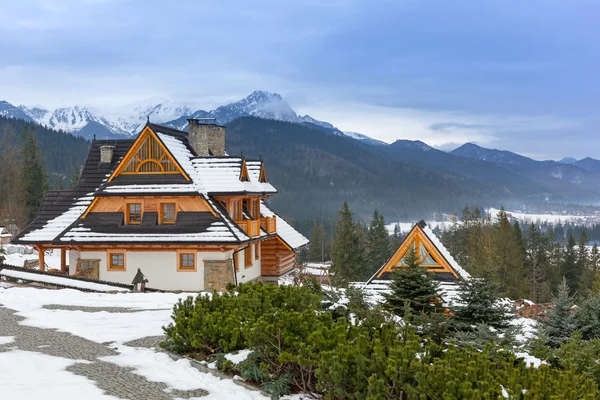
(148, 119)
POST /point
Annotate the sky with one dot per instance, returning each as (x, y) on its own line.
(516, 75)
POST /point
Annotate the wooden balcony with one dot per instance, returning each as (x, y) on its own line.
(269, 224)
(250, 226)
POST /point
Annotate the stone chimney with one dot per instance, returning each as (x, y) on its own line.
(106, 154)
(206, 137)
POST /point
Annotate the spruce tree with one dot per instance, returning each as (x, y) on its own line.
(33, 173)
(479, 303)
(346, 253)
(378, 243)
(536, 260)
(74, 177)
(508, 258)
(560, 320)
(412, 286)
(583, 264)
(570, 268)
(316, 250)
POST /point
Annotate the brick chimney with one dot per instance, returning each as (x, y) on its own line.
(206, 137)
(106, 154)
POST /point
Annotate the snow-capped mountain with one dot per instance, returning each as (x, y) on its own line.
(89, 122)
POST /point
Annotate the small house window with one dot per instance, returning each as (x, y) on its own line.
(134, 213)
(168, 213)
(248, 256)
(116, 261)
(187, 261)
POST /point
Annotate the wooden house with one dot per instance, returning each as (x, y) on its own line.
(432, 254)
(173, 204)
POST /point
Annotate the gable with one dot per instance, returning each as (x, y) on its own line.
(148, 155)
(244, 176)
(428, 254)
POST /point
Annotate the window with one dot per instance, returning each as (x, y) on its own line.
(134, 213)
(187, 261)
(256, 251)
(248, 256)
(116, 261)
(168, 213)
(236, 210)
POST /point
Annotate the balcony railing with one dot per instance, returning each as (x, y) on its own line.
(269, 224)
(250, 226)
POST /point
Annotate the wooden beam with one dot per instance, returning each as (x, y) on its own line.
(63, 260)
(41, 260)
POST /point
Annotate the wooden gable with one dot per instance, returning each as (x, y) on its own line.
(428, 254)
(244, 176)
(148, 155)
(263, 175)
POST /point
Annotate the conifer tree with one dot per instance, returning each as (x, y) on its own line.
(316, 249)
(74, 178)
(346, 253)
(560, 321)
(33, 173)
(570, 268)
(479, 303)
(396, 238)
(378, 243)
(508, 258)
(536, 259)
(583, 264)
(414, 287)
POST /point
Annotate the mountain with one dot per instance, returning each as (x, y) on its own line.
(88, 122)
(568, 160)
(365, 139)
(589, 164)
(570, 181)
(7, 110)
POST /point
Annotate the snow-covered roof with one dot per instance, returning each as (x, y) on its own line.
(145, 189)
(285, 231)
(444, 251)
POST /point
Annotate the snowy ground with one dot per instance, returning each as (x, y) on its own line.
(52, 258)
(62, 344)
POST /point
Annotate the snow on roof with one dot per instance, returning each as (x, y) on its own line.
(222, 175)
(183, 156)
(173, 188)
(55, 226)
(217, 232)
(442, 249)
(58, 280)
(285, 231)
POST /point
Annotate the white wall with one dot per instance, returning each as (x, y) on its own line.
(250, 273)
(160, 268)
(73, 256)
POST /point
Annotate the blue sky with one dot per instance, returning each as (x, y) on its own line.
(517, 75)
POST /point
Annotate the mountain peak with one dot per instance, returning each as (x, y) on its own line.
(263, 95)
(411, 144)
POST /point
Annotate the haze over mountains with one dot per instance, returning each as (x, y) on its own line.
(317, 166)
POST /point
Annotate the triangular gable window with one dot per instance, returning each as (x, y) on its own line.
(150, 158)
(244, 176)
(425, 257)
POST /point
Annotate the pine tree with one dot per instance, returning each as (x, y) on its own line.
(583, 265)
(396, 238)
(378, 243)
(536, 259)
(316, 249)
(508, 258)
(33, 173)
(570, 268)
(75, 177)
(479, 303)
(560, 321)
(414, 287)
(346, 253)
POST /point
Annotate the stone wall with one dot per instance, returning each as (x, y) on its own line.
(217, 274)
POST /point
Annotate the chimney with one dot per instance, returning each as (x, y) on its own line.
(106, 154)
(206, 137)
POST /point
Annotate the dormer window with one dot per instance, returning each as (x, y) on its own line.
(134, 213)
(167, 213)
(244, 176)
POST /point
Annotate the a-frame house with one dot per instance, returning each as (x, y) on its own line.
(173, 204)
(431, 254)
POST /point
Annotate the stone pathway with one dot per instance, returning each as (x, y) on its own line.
(112, 379)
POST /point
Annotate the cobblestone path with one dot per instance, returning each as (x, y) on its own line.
(114, 380)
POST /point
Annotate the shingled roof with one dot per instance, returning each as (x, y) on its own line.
(59, 220)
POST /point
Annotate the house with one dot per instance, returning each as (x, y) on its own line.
(431, 254)
(173, 204)
(5, 236)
